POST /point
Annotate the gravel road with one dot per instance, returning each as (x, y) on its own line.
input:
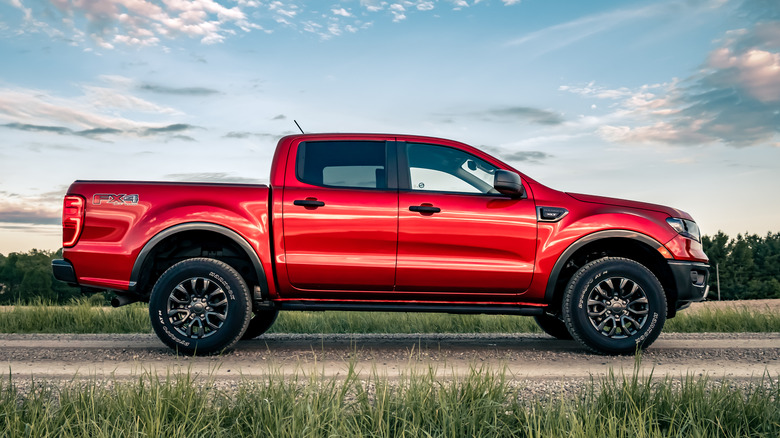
(525, 357)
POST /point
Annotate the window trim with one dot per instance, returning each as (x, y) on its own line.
(391, 165)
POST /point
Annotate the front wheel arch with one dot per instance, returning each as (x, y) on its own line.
(611, 243)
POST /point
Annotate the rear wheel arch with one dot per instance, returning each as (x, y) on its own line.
(611, 243)
(191, 240)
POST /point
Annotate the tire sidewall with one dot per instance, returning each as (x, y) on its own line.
(576, 309)
(238, 306)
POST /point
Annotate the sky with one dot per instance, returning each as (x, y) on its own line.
(670, 102)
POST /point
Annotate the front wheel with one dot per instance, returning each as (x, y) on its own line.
(614, 306)
(200, 306)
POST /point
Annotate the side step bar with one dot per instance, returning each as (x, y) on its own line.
(464, 309)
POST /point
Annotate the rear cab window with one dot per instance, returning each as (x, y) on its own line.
(347, 164)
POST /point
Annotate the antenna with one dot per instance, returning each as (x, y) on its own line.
(299, 126)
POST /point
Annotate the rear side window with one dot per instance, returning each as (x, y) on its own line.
(354, 164)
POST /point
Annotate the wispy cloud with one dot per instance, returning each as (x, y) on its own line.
(29, 212)
(175, 128)
(562, 35)
(179, 91)
(94, 114)
(509, 114)
(527, 156)
(536, 157)
(524, 113)
(217, 177)
(246, 134)
(96, 133)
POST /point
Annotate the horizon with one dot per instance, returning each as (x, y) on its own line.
(668, 102)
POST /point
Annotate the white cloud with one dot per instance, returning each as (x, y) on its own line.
(511, 2)
(98, 108)
(735, 99)
(756, 71)
(334, 29)
(398, 10)
(342, 12)
(425, 6)
(146, 22)
(373, 5)
(112, 98)
(460, 4)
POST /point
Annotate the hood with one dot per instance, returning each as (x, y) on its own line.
(673, 212)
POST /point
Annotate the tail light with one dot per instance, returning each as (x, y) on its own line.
(72, 220)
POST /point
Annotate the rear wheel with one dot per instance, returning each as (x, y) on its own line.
(260, 323)
(614, 306)
(200, 306)
(553, 326)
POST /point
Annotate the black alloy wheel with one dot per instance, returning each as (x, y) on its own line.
(200, 306)
(614, 306)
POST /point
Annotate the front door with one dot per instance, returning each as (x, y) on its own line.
(458, 238)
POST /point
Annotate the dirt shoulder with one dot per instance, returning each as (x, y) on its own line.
(522, 356)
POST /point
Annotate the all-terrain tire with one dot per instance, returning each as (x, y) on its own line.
(200, 306)
(614, 306)
(553, 326)
(261, 321)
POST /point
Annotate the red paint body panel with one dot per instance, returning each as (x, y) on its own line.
(114, 234)
(365, 244)
(348, 244)
(482, 245)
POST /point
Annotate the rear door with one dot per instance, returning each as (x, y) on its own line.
(458, 238)
(340, 217)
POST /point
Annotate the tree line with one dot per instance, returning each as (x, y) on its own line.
(27, 277)
(748, 267)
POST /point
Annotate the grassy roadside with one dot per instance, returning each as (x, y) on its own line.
(84, 317)
(482, 403)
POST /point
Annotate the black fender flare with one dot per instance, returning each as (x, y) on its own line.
(549, 293)
(197, 226)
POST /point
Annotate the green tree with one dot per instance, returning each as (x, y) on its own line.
(28, 276)
(749, 265)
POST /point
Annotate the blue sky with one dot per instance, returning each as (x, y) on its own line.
(672, 102)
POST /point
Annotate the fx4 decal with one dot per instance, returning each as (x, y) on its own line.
(110, 198)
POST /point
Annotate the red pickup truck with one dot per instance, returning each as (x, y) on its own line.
(381, 223)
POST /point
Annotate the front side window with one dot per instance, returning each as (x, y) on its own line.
(444, 169)
(354, 164)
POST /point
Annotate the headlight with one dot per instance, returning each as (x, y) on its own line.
(685, 228)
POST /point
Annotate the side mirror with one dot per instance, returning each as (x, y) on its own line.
(508, 183)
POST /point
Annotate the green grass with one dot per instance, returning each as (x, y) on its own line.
(82, 317)
(86, 317)
(482, 403)
(725, 321)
